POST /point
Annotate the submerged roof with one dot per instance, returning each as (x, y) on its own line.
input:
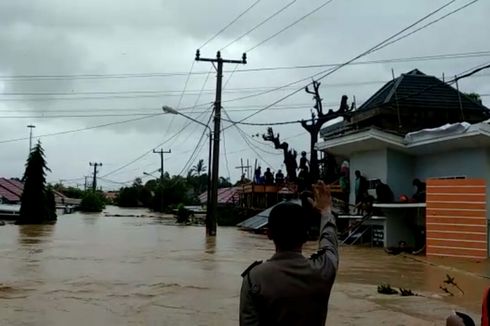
(10, 190)
(230, 195)
(415, 89)
(261, 220)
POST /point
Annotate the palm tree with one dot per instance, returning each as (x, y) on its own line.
(198, 168)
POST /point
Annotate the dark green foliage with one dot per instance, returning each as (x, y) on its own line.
(92, 202)
(224, 182)
(475, 97)
(183, 214)
(70, 192)
(169, 193)
(128, 197)
(230, 215)
(37, 203)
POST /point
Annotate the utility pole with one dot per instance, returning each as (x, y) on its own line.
(94, 182)
(243, 168)
(30, 136)
(211, 215)
(86, 182)
(161, 152)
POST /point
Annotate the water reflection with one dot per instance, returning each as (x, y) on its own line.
(210, 244)
(35, 234)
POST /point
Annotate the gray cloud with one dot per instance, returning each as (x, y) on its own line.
(56, 37)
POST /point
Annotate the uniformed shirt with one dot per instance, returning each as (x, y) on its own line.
(290, 289)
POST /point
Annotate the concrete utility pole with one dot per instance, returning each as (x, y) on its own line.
(30, 136)
(161, 152)
(211, 220)
(94, 182)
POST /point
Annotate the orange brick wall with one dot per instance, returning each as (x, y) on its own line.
(456, 218)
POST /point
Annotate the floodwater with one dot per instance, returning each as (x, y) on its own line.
(90, 269)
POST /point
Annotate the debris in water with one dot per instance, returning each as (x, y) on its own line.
(406, 292)
(450, 281)
(443, 288)
(386, 289)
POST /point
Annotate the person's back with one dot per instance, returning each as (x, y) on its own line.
(290, 289)
(269, 177)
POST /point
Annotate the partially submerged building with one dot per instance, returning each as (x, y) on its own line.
(417, 126)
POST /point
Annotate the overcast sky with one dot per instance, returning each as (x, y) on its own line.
(128, 47)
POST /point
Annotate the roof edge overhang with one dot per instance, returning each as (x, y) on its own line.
(378, 139)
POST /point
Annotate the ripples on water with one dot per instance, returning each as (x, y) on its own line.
(91, 269)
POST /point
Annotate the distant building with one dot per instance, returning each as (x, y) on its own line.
(10, 191)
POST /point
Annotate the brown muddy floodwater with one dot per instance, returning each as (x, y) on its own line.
(98, 270)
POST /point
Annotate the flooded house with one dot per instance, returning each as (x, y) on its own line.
(417, 126)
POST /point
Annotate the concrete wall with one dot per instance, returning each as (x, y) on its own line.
(400, 173)
(471, 163)
(372, 164)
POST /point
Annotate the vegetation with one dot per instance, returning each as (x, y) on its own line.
(38, 205)
(92, 202)
(70, 192)
(198, 169)
(169, 193)
(183, 214)
(475, 97)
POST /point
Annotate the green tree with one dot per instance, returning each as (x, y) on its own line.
(199, 168)
(92, 202)
(475, 97)
(37, 202)
(224, 182)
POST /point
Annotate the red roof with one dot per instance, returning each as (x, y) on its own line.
(229, 195)
(5, 184)
(9, 196)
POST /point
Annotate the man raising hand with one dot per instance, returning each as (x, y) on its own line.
(290, 289)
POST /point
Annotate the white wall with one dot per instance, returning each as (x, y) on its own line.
(372, 164)
(400, 173)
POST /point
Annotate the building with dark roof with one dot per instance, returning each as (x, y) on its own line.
(417, 126)
(411, 102)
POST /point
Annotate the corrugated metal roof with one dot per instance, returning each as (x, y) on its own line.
(260, 220)
(4, 193)
(225, 195)
(4, 183)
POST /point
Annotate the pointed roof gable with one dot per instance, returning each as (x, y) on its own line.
(416, 90)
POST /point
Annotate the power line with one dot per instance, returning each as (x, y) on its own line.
(198, 146)
(188, 92)
(147, 152)
(429, 24)
(331, 71)
(290, 25)
(230, 23)
(262, 123)
(80, 129)
(462, 55)
(198, 98)
(259, 24)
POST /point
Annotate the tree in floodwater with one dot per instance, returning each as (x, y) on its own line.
(37, 201)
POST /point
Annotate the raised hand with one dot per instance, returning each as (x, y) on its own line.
(322, 197)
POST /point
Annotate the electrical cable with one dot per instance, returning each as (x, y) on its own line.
(330, 71)
(289, 26)
(230, 23)
(259, 24)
